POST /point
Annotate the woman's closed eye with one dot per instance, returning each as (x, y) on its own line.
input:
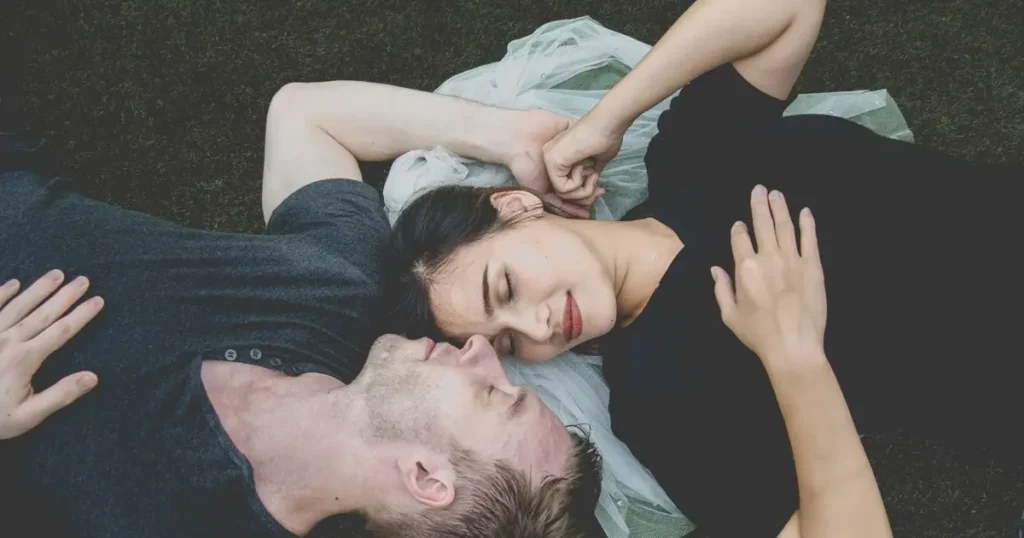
(509, 293)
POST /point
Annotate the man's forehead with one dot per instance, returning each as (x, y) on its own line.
(545, 453)
(457, 301)
(546, 445)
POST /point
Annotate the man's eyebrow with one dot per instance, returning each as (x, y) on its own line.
(488, 308)
(517, 406)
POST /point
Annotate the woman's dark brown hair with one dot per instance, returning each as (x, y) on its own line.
(428, 232)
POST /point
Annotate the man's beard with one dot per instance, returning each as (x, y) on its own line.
(401, 405)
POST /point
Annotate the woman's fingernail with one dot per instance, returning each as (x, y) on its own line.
(759, 190)
(13, 283)
(80, 282)
(806, 213)
(87, 381)
(714, 274)
(95, 302)
(56, 275)
(776, 195)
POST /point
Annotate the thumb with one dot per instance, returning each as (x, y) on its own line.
(724, 294)
(55, 398)
(554, 163)
(560, 164)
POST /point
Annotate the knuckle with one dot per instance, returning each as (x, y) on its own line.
(22, 326)
(726, 318)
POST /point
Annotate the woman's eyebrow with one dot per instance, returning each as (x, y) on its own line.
(488, 308)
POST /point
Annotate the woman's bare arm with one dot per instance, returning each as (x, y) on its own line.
(767, 40)
(778, 310)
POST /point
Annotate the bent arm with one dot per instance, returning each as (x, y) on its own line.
(768, 41)
(321, 130)
(839, 496)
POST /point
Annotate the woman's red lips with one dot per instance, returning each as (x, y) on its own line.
(572, 321)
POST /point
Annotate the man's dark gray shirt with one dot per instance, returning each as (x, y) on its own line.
(144, 455)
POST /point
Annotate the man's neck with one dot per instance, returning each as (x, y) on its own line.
(300, 436)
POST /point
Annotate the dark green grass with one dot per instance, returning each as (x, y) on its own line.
(158, 106)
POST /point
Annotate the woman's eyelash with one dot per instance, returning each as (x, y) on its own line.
(508, 284)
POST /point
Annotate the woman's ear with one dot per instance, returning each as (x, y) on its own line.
(517, 205)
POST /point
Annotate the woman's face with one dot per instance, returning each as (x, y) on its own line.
(534, 289)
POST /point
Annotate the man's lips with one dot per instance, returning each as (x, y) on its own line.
(430, 348)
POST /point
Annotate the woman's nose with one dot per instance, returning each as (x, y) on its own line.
(536, 325)
(476, 349)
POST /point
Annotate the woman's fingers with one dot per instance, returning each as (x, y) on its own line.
(591, 183)
(61, 394)
(571, 180)
(64, 329)
(742, 248)
(724, 294)
(593, 198)
(8, 290)
(584, 173)
(23, 304)
(764, 227)
(809, 240)
(54, 307)
(784, 232)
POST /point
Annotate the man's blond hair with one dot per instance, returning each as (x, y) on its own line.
(495, 500)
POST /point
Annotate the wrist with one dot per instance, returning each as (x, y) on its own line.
(495, 134)
(796, 358)
(610, 118)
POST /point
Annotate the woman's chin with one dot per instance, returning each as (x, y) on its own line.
(538, 358)
(588, 347)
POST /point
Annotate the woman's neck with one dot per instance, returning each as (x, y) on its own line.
(637, 253)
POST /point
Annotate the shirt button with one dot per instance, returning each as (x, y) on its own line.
(255, 354)
(275, 362)
(230, 355)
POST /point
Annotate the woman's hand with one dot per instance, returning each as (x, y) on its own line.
(576, 158)
(530, 131)
(778, 308)
(28, 334)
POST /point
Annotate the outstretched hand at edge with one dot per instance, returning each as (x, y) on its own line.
(31, 330)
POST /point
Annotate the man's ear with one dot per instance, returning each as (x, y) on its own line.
(517, 205)
(429, 478)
